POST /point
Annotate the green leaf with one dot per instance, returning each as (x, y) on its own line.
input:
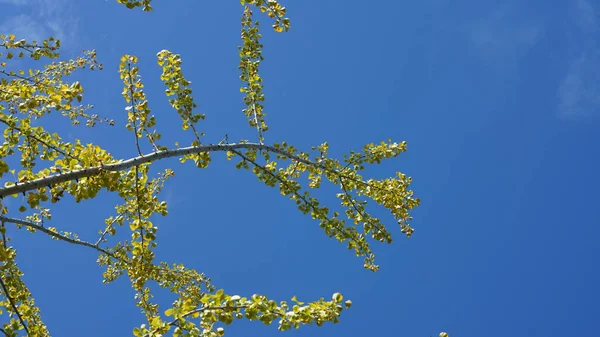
(295, 300)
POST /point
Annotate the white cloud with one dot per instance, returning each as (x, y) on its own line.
(579, 92)
(501, 38)
(15, 2)
(24, 27)
(40, 19)
(587, 16)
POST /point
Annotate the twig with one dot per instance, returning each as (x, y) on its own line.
(353, 203)
(3, 234)
(139, 211)
(135, 129)
(258, 124)
(99, 241)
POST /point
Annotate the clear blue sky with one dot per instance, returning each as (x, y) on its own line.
(499, 103)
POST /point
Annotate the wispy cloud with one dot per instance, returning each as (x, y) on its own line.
(502, 38)
(40, 19)
(24, 26)
(579, 91)
(14, 2)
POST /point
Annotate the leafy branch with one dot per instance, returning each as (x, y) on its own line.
(129, 163)
(13, 305)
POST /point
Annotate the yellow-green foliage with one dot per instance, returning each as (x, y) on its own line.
(45, 168)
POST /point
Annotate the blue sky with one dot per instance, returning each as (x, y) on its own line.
(499, 103)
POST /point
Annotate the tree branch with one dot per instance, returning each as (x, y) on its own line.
(278, 178)
(101, 238)
(125, 164)
(40, 141)
(133, 104)
(353, 203)
(152, 157)
(197, 310)
(13, 305)
(58, 235)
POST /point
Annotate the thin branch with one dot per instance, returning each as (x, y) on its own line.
(8, 74)
(39, 140)
(197, 310)
(294, 170)
(30, 47)
(13, 305)
(193, 127)
(201, 309)
(58, 235)
(101, 238)
(359, 212)
(139, 210)
(31, 78)
(258, 124)
(225, 307)
(135, 128)
(3, 234)
(281, 180)
(353, 203)
(133, 104)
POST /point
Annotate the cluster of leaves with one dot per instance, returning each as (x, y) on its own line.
(274, 10)
(17, 300)
(219, 309)
(44, 169)
(392, 193)
(250, 58)
(139, 119)
(144, 4)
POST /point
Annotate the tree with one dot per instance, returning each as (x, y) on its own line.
(40, 168)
